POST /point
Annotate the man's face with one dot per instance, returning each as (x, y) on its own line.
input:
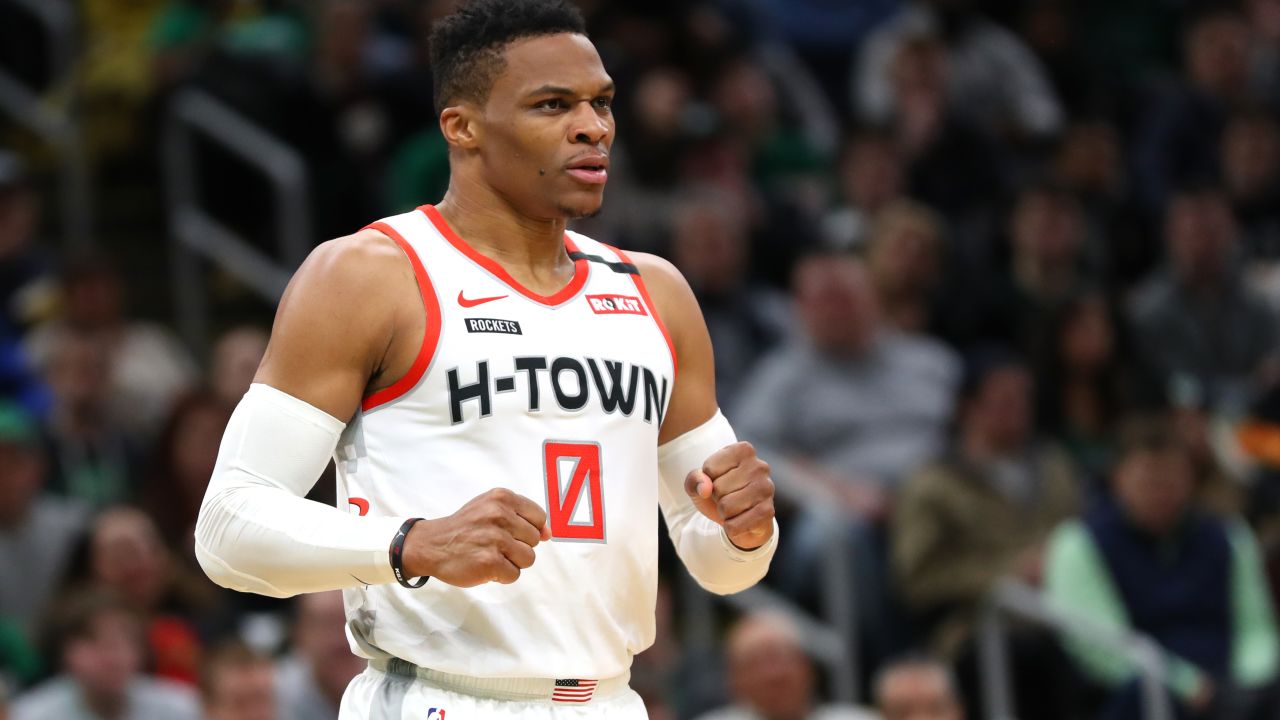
(1200, 234)
(1155, 488)
(772, 676)
(21, 476)
(1046, 229)
(244, 692)
(129, 557)
(547, 127)
(918, 694)
(108, 657)
(871, 173)
(837, 305)
(1003, 407)
(710, 246)
(319, 637)
(1218, 53)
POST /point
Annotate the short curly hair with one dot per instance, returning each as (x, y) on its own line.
(466, 47)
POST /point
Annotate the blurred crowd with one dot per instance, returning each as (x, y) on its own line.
(993, 284)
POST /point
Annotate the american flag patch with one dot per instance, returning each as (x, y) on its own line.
(573, 690)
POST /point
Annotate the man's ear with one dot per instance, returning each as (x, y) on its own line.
(460, 125)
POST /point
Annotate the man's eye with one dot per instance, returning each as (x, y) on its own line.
(552, 104)
(604, 103)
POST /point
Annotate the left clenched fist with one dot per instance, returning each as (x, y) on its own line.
(734, 489)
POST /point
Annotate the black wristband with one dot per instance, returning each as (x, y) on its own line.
(397, 556)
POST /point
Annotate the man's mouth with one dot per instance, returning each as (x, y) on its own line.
(592, 169)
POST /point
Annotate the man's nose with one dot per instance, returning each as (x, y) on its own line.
(589, 126)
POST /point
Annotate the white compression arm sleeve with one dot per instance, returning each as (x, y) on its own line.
(257, 533)
(717, 564)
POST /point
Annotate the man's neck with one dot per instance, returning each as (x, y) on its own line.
(980, 450)
(490, 225)
(108, 706)
(79, 420)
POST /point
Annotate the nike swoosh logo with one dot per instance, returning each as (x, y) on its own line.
(478, 301)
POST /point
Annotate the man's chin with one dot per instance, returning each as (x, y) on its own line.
(579, 211)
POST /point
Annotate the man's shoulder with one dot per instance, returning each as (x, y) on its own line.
(162, 698)
(653, 268)
(360, 251)
(53, 698)
(58, 516)
(364, 264)
(843, 712)
(1154, 296)
(730, 712)
(793, 357)
(918, 352)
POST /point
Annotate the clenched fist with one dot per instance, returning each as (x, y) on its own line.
(491, 538)
(734, 489)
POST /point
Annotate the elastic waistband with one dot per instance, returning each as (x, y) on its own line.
(558, 690)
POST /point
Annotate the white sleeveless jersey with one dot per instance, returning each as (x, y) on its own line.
(557, 398)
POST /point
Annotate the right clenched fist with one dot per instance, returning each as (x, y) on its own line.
(491, 538)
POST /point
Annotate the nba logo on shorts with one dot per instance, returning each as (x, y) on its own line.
(435, 713)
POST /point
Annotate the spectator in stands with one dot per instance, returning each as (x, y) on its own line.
(236, 356)
(917, 689)
(127, 558)
(1089, 163)
(845, 411)
(311, 679)
(37, 531)
(92, 460)
(871, 176)
(994, 78)
(770, 676)
(1194, 320)
(649, 161)
(1219, 487)
(1148, 558)
(184, 457)
(237, 683)
(710, 245)
(1264, 20)
(854, 403)
(1250, 157)
(1177, 142)
(147, 365)
(769, 160)
(905, 261)
(1083, 380)
(99, 643)
(952, 165)
(1048, 263)
(984, 508)
(1051, 258)
(784, 159)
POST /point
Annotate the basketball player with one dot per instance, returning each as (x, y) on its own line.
(534, 395)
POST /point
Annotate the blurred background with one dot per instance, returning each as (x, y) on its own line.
(993, 285)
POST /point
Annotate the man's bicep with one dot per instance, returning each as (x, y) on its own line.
(332, 328)
(693, 397)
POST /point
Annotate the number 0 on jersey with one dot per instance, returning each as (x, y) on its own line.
(573, 470)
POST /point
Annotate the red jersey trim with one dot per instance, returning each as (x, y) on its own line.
(653, 310)
(581, 268)
(430, 336)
